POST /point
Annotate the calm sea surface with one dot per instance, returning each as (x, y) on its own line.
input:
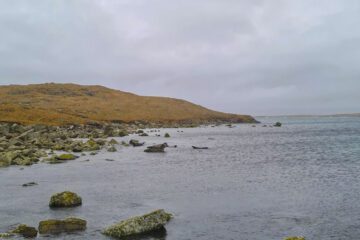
(253, 183)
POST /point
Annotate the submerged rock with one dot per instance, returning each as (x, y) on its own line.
(194, 147)
(65, 199)
(139, 225)
(156, 148)
(25, 231)
(66, 156)
(29, 184)
(54, 226)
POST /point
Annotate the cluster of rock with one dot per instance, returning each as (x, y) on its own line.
(134, 226)
(26, 145)
(53, 226)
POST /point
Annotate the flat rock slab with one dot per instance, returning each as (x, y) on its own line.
(54, 226)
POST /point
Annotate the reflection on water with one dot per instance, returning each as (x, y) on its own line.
(252, 183)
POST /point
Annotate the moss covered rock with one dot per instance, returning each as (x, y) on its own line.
(65, 199)
(54, 226)
(139, 225)
(25, 231)
(92, 145)
(113, 142)
(167, 135)
(294, 238)
(66, 156)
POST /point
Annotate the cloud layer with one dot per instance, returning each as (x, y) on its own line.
(250, 56)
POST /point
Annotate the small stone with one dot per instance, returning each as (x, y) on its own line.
(25, 231)
(29, 184)
(167, 135)
(112, 149)
(277, 124)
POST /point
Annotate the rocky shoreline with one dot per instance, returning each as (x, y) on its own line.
(25, 145)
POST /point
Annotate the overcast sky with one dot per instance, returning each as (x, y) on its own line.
(260, 57)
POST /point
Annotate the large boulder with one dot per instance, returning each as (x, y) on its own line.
(65, 199)
(139, 225)
(25, 231)
(54, 226)
(156, 148)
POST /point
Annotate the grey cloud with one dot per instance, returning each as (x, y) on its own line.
(255, 57)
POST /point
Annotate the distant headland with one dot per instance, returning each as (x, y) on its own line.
(63, 104)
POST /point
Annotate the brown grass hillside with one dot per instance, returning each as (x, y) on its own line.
(58, 104)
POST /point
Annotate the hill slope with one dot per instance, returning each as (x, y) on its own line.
(58, 104)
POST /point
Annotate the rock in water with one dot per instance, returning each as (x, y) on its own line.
(277, 124)
(53, 226)
(112, 149)
(65, 199)
(139, 225)
(25, 231)
(167, 135)
(136, 143)
(67, 156)
(29, 184)
(156, 148)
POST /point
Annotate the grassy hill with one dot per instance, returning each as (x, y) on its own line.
(59, 104)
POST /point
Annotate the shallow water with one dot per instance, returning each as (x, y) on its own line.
(253, 183)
